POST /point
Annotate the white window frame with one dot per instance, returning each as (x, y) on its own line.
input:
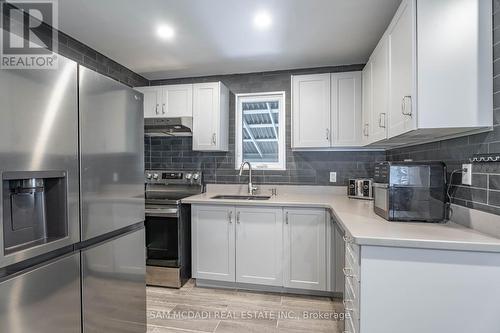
(262, 96)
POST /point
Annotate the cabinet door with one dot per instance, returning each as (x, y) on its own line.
(259, 235)
(311, 111)
(380, 92)
(152, 98)
(346, 109)
(401, 75)
(305, 249)
(213, 242)
(367, 104)
(177, 100)
(206, 108)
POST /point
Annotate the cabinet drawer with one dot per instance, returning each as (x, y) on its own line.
(351, 265)
(352, 286)
(353, 251)
(351, 303)
(350, 325)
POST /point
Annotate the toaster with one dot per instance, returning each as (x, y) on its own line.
(360, 188)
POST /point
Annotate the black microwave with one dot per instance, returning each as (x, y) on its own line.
(410, 191)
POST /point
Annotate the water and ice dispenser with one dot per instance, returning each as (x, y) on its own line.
(34, 209)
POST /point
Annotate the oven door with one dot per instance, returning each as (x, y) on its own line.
(162, 236)
(381, 200)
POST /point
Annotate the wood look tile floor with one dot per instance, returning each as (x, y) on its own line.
(195, 309)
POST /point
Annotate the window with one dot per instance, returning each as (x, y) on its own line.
(260, 130)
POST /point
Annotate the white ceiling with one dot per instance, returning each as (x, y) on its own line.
(218, 36)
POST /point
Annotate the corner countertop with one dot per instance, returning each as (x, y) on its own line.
(359, 221)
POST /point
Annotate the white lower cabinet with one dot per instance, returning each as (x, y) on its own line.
(352, 283)
(213, 241)
(305, 249)
(261, 245)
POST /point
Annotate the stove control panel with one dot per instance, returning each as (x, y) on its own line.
(173, 177)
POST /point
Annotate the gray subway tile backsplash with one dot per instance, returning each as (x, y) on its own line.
(311, 168)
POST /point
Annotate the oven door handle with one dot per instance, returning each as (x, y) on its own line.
(162, 212)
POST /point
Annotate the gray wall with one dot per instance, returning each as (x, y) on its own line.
(484, 194)
(302, 167)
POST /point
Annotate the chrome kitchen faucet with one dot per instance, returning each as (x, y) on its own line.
(251, 188)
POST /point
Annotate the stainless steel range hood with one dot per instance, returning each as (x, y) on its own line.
(180, 126)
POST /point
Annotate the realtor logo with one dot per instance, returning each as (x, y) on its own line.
(28, 35)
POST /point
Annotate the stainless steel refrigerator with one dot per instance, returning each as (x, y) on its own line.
(39, 200)
(72, 249)
(112, 205)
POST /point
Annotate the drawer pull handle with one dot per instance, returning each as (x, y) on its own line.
(346, 308)
(348, 272)
(347, 239)
(403, 106)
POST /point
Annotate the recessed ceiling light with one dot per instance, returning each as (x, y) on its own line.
(262, 20)
(165, 32)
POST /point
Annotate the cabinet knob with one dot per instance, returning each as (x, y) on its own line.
(286, 218)
(230, 217)
(327, 134)
(163, 108)
(156, 108)
(214, 139)
(238, 217)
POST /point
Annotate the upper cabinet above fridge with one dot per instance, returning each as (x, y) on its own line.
(430, 76)
(168, 101)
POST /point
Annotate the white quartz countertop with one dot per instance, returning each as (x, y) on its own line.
(359, 221)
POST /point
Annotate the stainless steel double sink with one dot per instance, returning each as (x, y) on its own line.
(241, 197)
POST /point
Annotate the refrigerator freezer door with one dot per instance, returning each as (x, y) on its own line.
(39, 135)
(44, 300)
(114, 285)
(112, 154)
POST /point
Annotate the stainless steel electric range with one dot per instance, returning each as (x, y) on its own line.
(168, 225)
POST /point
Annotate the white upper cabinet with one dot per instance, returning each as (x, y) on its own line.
(380, 91)
(432, 73)
(326, 110)
(346, 120)
(311, 111)
(177, 100)
(152, 101)
(210, 116)
(455, 65)
(168, 101)
(401, 74)
(367, 103)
